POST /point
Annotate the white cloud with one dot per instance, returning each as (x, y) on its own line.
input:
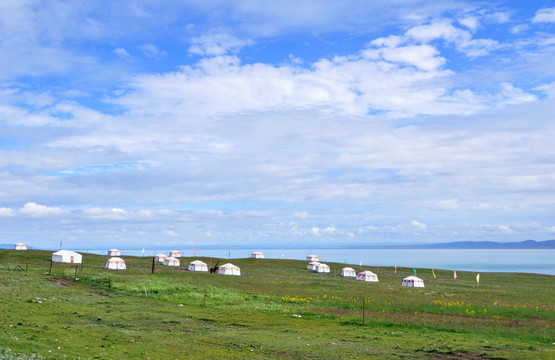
(170, 233)
(217, 44)
(152, 51)
(111, 214)
(448, 204)
(300, 214)
(316, 231)
(329, 229)
(6, 212)
(122, 53)
(470, 22)
(545, 15)
(36, 210)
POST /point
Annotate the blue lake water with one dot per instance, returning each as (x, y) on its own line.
(484, 260)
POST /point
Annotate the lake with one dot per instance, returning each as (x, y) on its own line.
(539, 261)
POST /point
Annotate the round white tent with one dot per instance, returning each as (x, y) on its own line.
(312, 265)
(160, 258)
(115, 263)
(322, 268)
(66, 256)
(348, 272)
(20, 246)
(229, 269)
(413, 281)
(312, 258)
(197, 265)
(257, 255)
(114, 252)
(367, 276)
(175, 254)
(171, 261)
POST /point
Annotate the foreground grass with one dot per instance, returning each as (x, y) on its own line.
(275, 310)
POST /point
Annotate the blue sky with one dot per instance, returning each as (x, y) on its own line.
(154, 123)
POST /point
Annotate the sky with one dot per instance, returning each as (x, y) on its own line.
(314, 122)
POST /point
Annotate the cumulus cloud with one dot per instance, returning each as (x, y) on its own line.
(217, 44)
(300, 214)
(122, 53)
(6, 211)
(545, 15)
(36, 210)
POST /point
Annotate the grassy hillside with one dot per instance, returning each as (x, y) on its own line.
(276, 310)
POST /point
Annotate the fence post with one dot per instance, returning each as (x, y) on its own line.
(363, 311)
(153, 264)
(205, 297)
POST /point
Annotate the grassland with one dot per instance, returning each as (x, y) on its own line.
(276, 310)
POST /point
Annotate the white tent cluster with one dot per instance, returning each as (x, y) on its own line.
(322, 268)
(257, 255)
(312, 265)
(312, 258)
(171, 261)
(348, 272)
(367, 276)
(175, 254)
(114, 252)
(67, 256)
(197, 265)
(413, 281)
(115, 263)
(160, 258)
(20, 246)
(229, 269)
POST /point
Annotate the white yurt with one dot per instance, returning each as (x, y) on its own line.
(312, 258)
(197, 265)
(20, 246)
(322, 268)
(348, 272)
(257, 255)
(413, 281)
(67, 256)
(114, 252)
(160, 258)
(312, 265)
(175, 254)
(229, 269)
(171, 261)
(367, 276)
(115, 263)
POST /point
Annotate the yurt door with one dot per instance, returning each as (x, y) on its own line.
(72, 259)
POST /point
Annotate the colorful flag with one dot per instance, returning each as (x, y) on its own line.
(61, 241)
(455, 275)
(395, 269)
(229, 254)
(478, 278)
(345, 259)
(193, 251)
(433, 273)
(414, 269)
(361, 262)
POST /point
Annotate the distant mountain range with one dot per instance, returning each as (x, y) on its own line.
(528, 244)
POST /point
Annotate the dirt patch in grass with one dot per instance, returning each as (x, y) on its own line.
(64, 282)
(457, 356)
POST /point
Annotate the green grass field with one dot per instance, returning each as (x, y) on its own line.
(276, 310)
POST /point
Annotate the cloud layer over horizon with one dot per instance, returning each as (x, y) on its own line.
(186, 123)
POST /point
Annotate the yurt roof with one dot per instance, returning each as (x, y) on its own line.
(198, 262)
(65, 252)
(160, 255)
(115, 259)
(367, 272)
(347, 269)
(228, 265)
(412, 278)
